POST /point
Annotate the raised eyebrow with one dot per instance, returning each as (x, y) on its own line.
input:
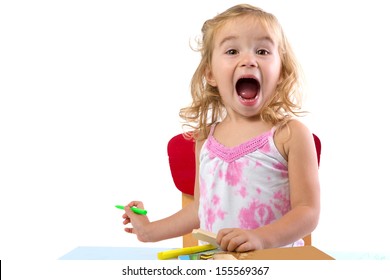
(259, 39)
(227, 39)
(266, 39)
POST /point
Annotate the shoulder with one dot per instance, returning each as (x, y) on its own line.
(291, 136)
(199, 141)
(199, 145)
(293, 128)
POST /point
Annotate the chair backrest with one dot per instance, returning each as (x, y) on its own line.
(181, 154)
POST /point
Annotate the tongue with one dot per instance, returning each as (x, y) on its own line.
(247, 89)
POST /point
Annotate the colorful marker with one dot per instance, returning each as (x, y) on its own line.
(184, 251)
(134, 209)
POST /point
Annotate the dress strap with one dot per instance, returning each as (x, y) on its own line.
(212, 128)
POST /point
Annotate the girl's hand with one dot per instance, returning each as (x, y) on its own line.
(139, 222)
(239, 240)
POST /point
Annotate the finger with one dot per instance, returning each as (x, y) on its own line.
(137, 204)
(129, 230)
(235, 242)
(244, 247)
(231, 239)
(223, 237)
(222, 233)
(128, 211)
(126, 221)
(124, 216)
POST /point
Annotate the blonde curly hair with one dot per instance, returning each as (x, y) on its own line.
(207, 107)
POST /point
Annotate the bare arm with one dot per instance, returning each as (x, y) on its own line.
(304, 190)
(178, 224)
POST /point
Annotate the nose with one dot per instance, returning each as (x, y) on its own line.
(248, 60)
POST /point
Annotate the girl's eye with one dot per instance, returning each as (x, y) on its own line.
(262, 52)
(232, 51)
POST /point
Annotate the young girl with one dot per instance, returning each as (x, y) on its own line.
(257, 181)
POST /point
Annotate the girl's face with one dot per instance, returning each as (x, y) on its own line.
(245, 66)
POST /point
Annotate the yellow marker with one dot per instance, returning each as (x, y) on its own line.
(170, 254)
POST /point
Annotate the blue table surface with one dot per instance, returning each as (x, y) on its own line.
(148, 253)
(113, 253)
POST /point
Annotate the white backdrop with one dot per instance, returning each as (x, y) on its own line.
(90, 94)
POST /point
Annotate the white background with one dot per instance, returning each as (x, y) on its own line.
(90, 93)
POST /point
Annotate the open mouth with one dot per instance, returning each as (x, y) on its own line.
(248, 88)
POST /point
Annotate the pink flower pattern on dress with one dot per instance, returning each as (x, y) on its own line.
(243, 192)
(266, 148)
(234, 173)
(213, 213)
(221, 214)
(215, 200)
(281, 202)
(210, 218)
(245, 186)
(256, 215)
(283, 169)
(258, 164)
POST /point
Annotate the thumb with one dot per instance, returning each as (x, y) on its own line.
(137, 204)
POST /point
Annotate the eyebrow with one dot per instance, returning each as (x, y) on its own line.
(260, 39)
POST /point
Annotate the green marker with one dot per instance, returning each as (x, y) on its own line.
(134, 209)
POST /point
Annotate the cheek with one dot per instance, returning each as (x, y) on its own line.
(278, 71)
(274, 75)
(217, 78)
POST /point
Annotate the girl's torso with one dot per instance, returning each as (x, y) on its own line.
(245, 186)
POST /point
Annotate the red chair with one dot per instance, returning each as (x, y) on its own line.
(181, 153)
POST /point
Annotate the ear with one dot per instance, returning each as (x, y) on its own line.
(210, 77)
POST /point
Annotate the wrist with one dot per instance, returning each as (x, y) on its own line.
(264, 240)
(145, 233)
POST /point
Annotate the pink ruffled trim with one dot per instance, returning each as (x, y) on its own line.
(230, 154)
